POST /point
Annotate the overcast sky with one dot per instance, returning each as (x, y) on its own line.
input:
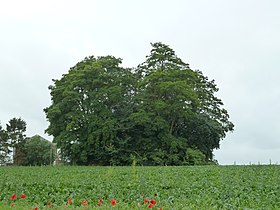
(235, 42)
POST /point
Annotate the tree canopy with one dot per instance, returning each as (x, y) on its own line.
(159, 113)
(38, 151)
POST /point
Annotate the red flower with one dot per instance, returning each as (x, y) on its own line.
(142, 194)
(36, 208)
(13, 197)
(113, 202)
(153, 201)
(98, 204)
(49, 204)
(84, 202)
(23, 196)
(150, 206)
(100, 200)
(146, 200)
(70, 200)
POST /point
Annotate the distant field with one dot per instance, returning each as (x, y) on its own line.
(198, 187)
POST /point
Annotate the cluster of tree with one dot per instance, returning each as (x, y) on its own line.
(17, 149)
(160, 113)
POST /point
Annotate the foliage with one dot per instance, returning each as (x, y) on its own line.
(195, 157)
(4, 149)
(25, 151)
(15, 130)
(38, 151)
(105, 114)
(196, 187)
(89, 105)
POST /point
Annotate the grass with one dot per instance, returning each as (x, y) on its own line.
(193, 187)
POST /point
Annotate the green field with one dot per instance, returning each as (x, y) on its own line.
(197, 187)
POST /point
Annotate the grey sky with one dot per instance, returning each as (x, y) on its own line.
(234, 42)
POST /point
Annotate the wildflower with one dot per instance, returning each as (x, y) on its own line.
(49, 204)
(146, 200)
(70, 200)
(23, 196)
(150, 206)
(36, 208)
(98, 204)
(100, 200)
(153, 202)
(142, 194)
(84, 202)
(12, 204)
(113, 202)
(13, 197)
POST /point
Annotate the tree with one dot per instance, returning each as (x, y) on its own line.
(38, 151)
(4, 149)
(165, 98)
(88, 106)
(161, 113)
(15, 130)
(177, 109)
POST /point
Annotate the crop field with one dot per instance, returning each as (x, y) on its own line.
(136, 187)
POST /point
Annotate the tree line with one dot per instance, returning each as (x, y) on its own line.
(17, 149)
(159, 113)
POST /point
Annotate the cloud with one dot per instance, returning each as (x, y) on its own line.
(234, 42)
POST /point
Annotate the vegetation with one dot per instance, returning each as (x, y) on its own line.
(12, 141)
(160, 113)
(17, 149)
(181, 187)
(38, 151)
(4, 149)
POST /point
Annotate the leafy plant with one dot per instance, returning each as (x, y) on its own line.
(196, 187)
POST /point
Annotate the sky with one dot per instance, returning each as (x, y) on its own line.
(235, 42)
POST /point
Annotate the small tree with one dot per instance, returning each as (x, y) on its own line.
(15, 130)
(38, 151)
(4, 149)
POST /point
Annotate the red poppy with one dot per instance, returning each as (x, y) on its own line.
(150, 206)
(142, 194)
(36, 208)
(98, 204)
(13, 197)
(70, 200)
(113, 202)
(23, 196)
(84, 202)
(100, 200)
(153, 201)
(146, 200)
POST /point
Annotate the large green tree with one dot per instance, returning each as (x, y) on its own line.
(161, 112)
(177, 110)
(89, 105)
